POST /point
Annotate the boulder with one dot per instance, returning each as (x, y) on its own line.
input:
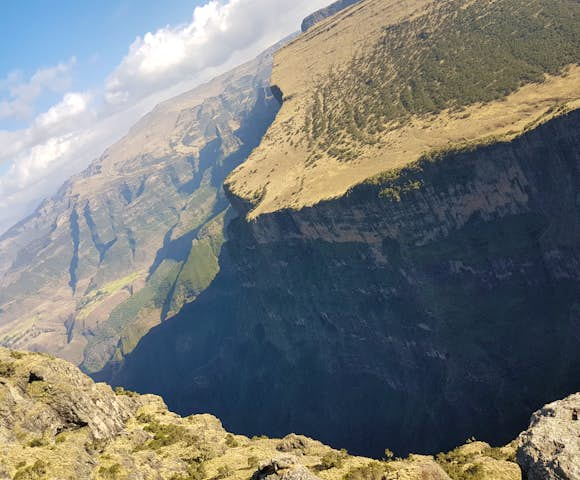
(284, 467)
(550, 448)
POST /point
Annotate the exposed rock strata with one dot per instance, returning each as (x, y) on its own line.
(449, 282)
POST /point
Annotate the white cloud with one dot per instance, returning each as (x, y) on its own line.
(216, 31)
(20, 95)
(71, 106)
(64, 139)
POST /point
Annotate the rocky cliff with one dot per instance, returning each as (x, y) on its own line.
(399, 306)
(405, 264)
(56, 423)
(326, 12)
(138, 234)
(550, 448)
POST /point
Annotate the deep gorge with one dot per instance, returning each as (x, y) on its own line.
(383, 318)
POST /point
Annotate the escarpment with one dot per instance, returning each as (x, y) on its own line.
(424, 306)
(405, 263)
(401, 263)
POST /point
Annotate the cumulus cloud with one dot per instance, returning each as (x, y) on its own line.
(64, 139)
(216, 31)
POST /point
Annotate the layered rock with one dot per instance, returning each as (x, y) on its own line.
(407, 253)
(455, 279)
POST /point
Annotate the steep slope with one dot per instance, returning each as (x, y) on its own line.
(423, 289)
(137, 235)
(425, 308)
(382, 83)
(57, 424)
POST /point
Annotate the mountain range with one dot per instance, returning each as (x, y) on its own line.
(368, 233)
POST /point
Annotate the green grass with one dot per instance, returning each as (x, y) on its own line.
(165, 435)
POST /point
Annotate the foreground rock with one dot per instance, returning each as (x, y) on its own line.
(283, 468)
(550, 448)
(56, 423)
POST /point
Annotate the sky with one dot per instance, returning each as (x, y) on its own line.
(75, 75)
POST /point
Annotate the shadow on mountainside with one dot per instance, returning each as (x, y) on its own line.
(401, 343)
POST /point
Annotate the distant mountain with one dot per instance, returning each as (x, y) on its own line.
(326, 12)
(126, 243)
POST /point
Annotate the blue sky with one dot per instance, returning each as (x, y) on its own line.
(75, 75)
(42, 33)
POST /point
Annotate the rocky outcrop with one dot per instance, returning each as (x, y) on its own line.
(55, 424)
(283, 468)
(326, 12)
(550, 448)
(44, 396)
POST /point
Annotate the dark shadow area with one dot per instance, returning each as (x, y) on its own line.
(405, 343)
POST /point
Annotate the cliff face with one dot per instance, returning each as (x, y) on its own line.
(443, 294)
(323, 13)
(127, 242)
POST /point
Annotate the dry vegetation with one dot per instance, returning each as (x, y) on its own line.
(58, 424)
(417, 77)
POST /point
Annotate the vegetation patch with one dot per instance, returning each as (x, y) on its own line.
(449, 57)
(35, 471)
(165, 435)
(6, 369)
(370, 471)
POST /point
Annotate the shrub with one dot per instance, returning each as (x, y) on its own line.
(332, 459)
(6, 369)
(128, 393)
(389, 455)
(224, 471)
(195, 471)
(370, 471)
(231, 441)
(457, 465)
(168, 434)
(112, 472)
(32, 472)
(37, 442)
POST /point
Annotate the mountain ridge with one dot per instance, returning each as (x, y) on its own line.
(89, 273)
(390, 114)
(324, 13)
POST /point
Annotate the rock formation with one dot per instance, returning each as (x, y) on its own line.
(550, 448)
(56, 424)
(405, 263)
